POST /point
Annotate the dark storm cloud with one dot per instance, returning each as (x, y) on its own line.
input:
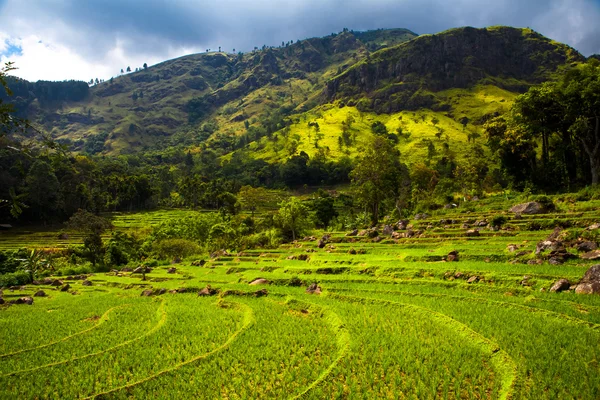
(94, 27)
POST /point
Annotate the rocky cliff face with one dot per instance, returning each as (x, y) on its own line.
(404, 77)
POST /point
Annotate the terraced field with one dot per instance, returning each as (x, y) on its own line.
(393, 319)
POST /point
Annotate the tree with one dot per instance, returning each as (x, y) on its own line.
(581, 99)
(145, 66)
(252, 198)
(380, 177)
(122, 70)
(42, 189)
(92, 226)
(128, 69)
(324, 209)
(293, 217)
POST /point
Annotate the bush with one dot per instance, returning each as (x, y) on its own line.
(176, 248)
(499, 220)
(545, 201)
(74, 270)
(10, 261)
(15, 279)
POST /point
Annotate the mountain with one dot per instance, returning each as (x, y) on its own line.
(274, 102)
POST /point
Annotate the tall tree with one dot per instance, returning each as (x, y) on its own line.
(380, 177)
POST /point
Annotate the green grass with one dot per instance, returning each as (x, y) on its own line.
(391, 323)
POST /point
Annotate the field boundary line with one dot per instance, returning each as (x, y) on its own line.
(159, 324)
(554, 314)
(102, 320)
(503, 364)
(248, 321)
(343, 339)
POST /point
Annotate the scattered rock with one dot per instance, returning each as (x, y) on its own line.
(56, 282)
(590, 284)
(199, 263)
(593, 226)
(398, 235)
(458, 275)
(148, 292)
(40, 293)
(377, 239)
(352, 251)
(303, 257)
(535, 262)
(472, 279)
(512, 248)
(586, 246)
(261, 293)
(142, 270)
(465, 226)
(208, 291)
(48, 281)
(452, 256)
(259, 281)
(126, 269)
(482, 223)
(421, 216)
(2, 301)
(23, 300)
(402, 224)
(560, 285)
(313, 289)
(525, 281)
(388, 230)
(529, 208)
(472, 233)
(450, 206)
(353, 233)
(172, 270)
(591, 255)
(87, 283)
(552, 245)
(321, 243)
(65, 288)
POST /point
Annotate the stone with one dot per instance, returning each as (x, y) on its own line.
(472, 233)
(552, 245)
(353, 233)
(532, 207)
(259, 281)
(313, 289)
(87, 283)
(482, 223)
(40, 293)
(321, 243)
(352, 251)
(172, 270)
(593, 226)
(402, 225)
(590, 283)
(472, 279)
(148, 292)
(303, 257)
(525, 281)
(535, 262)
(364, 232)
(397, 235)
(2, 301)
(199, 263)
(452, 256)
(421, 216)
(24, 300)
(560, 285)
(512, 248)
(586, 246)
(261, 293)
(459, 275)
(373, 233)
(208, 291)
(591, 255)
(388, 230)
(56, 282)
(65, 288)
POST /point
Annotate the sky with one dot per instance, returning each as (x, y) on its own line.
(88, 39)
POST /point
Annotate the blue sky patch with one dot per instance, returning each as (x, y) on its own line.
(12, 50)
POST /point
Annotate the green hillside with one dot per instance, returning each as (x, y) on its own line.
(233, 102)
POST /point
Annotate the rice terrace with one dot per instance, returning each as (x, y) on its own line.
(417, 309)
(224, 200)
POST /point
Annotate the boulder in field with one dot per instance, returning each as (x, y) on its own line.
(321, 243)
(172, 270)
(586, 246)
(472, 233)
(208, 291)
(472, 279)
(199, 263)
(593, 227)
(313, 289)
(65, 288)
(148, 292)
(388, 230)
(259, 281)
(40, 293)
(261, 293)
(590, 284)
(2, 300)
(23, 300)
(452, 256)
(560, 285)
(532, 207)
(353, 233)
(591, 255)
(87, 283)
(56, 282)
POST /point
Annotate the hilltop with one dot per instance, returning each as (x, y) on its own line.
(231, 101)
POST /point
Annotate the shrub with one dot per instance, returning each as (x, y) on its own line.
(176, 248)
(15, 279)
(499, 220)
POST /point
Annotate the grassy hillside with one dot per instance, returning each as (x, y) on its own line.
(262, 102)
